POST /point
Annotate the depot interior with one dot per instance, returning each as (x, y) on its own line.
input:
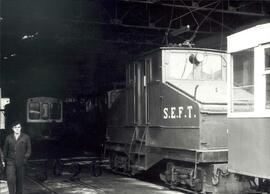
(77, 50)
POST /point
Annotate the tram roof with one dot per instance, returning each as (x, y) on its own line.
(249, 38)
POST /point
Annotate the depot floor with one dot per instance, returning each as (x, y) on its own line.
(107, 183)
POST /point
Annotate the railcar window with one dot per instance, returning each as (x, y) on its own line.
(243, 81)
(44, 111)
(34, 110)
(55, 111)
(267, 78)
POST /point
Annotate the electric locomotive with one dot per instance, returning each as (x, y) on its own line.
(249, 104)
(172, 115)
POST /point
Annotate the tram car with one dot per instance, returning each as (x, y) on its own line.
(172, 115)
(249, 104)
(42, 119)
(58, 127)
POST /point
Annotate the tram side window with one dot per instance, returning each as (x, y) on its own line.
(267, 78)
(243, 81)
(55, 111)
(34, 111)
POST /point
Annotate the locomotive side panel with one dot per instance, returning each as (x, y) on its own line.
(214, 131)
(117, 110)
(179, 122)
(129, 106)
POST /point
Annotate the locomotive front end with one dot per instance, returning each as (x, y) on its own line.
(171, 118)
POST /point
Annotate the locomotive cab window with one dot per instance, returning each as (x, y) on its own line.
(201, 66)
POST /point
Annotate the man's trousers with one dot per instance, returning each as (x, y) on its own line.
(15, 174)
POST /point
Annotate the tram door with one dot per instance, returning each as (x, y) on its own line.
(142, 92)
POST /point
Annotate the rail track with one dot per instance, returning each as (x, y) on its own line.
(48, 188)
(42, 185)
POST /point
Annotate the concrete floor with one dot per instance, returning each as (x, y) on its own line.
(107, 183)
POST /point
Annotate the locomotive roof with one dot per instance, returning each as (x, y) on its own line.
(180, 48)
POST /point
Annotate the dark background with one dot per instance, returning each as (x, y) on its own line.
(71, 48)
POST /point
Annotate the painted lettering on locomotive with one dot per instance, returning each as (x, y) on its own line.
(177, 112)
(172, 113)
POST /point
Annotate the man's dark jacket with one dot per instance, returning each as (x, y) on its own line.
(18, 151)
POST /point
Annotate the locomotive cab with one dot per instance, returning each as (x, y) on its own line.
(172, 113)
(249, 102)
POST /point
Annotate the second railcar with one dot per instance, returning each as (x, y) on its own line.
(173, 112)
(42, 119)
(249, 104)
(60, 127)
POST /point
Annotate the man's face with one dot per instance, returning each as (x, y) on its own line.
(17, 128)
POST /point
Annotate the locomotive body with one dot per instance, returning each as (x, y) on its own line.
(249, 103)
(172, 112)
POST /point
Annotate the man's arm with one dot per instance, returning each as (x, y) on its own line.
(1, 154)
(5, 151)
(2, 158)
(29, 148)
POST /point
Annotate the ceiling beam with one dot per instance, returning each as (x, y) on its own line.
(203, 8)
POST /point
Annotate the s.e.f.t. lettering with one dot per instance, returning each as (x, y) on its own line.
(178, 112)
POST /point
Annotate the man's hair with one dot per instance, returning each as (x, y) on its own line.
(14, 123)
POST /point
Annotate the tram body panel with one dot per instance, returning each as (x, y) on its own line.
(248, 102)
(249, 146)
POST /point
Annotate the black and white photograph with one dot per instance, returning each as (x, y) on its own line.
(134, 96)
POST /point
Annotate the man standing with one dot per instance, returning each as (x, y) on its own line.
(17, 150)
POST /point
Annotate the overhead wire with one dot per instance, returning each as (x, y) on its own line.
(222, 28)
(198, 27)
(170, 23)
(217, 2)
(191, 13)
